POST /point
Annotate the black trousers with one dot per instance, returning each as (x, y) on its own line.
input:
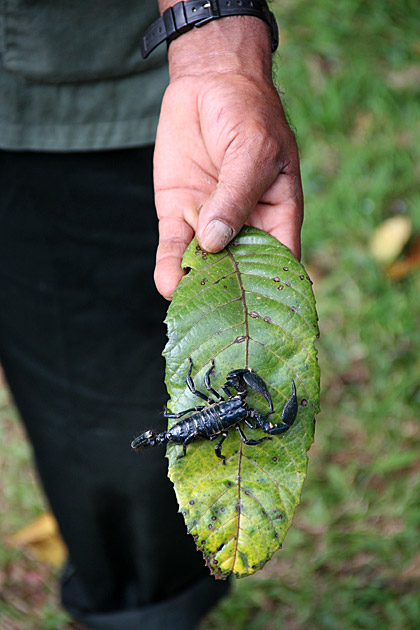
(81, 336)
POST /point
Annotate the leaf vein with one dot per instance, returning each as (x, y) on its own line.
(277, 302)
(194, 297)
(203, 317)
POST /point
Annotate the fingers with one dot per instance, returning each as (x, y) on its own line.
(281, 213)
(174, 237)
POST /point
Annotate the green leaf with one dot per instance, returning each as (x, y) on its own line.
(250, 305)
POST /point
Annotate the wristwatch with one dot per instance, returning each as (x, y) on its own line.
(183, 16)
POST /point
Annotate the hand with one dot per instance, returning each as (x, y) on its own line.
(225, 154)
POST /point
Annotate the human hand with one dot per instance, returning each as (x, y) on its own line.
(225, 154)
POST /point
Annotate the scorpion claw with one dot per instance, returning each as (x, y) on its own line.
(290, 409)
(253, 380)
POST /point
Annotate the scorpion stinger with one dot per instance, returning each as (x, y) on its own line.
(148, 439)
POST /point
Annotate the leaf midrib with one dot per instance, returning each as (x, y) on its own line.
(242, 292)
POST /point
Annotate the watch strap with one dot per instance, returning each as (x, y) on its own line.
(186, 15)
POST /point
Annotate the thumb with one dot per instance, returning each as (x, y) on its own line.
(242, 182)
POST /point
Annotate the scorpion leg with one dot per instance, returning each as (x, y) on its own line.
(189, 439)
(245, 439)
(250, 425)
(169, 414)
(226, 390)
(191, 385)
(217, 448)
(208, 385)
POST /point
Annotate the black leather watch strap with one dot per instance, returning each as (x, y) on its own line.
(183, 16)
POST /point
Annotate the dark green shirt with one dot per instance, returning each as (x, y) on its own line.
(72, 77)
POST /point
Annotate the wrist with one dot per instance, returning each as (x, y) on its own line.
(240, 44)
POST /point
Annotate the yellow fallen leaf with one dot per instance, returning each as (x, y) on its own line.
(42, 537)
(389, 239)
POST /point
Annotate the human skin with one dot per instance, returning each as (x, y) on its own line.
(225, 154)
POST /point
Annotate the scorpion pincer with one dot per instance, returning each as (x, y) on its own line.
(214, 420)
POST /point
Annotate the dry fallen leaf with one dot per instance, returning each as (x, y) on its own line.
(402, 268)
(43, 539)
(389, 239)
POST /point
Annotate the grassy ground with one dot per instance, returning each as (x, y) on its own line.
(351, 74)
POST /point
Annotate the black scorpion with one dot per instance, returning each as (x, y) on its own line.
(214, 420)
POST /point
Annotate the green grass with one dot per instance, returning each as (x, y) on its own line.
(352, 558)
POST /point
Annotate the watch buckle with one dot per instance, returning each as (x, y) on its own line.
(214, 12)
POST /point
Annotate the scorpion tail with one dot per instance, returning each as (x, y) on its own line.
(148, 439)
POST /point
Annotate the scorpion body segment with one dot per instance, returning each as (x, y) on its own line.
(214, 420)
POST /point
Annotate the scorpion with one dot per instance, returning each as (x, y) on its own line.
(210, 422)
